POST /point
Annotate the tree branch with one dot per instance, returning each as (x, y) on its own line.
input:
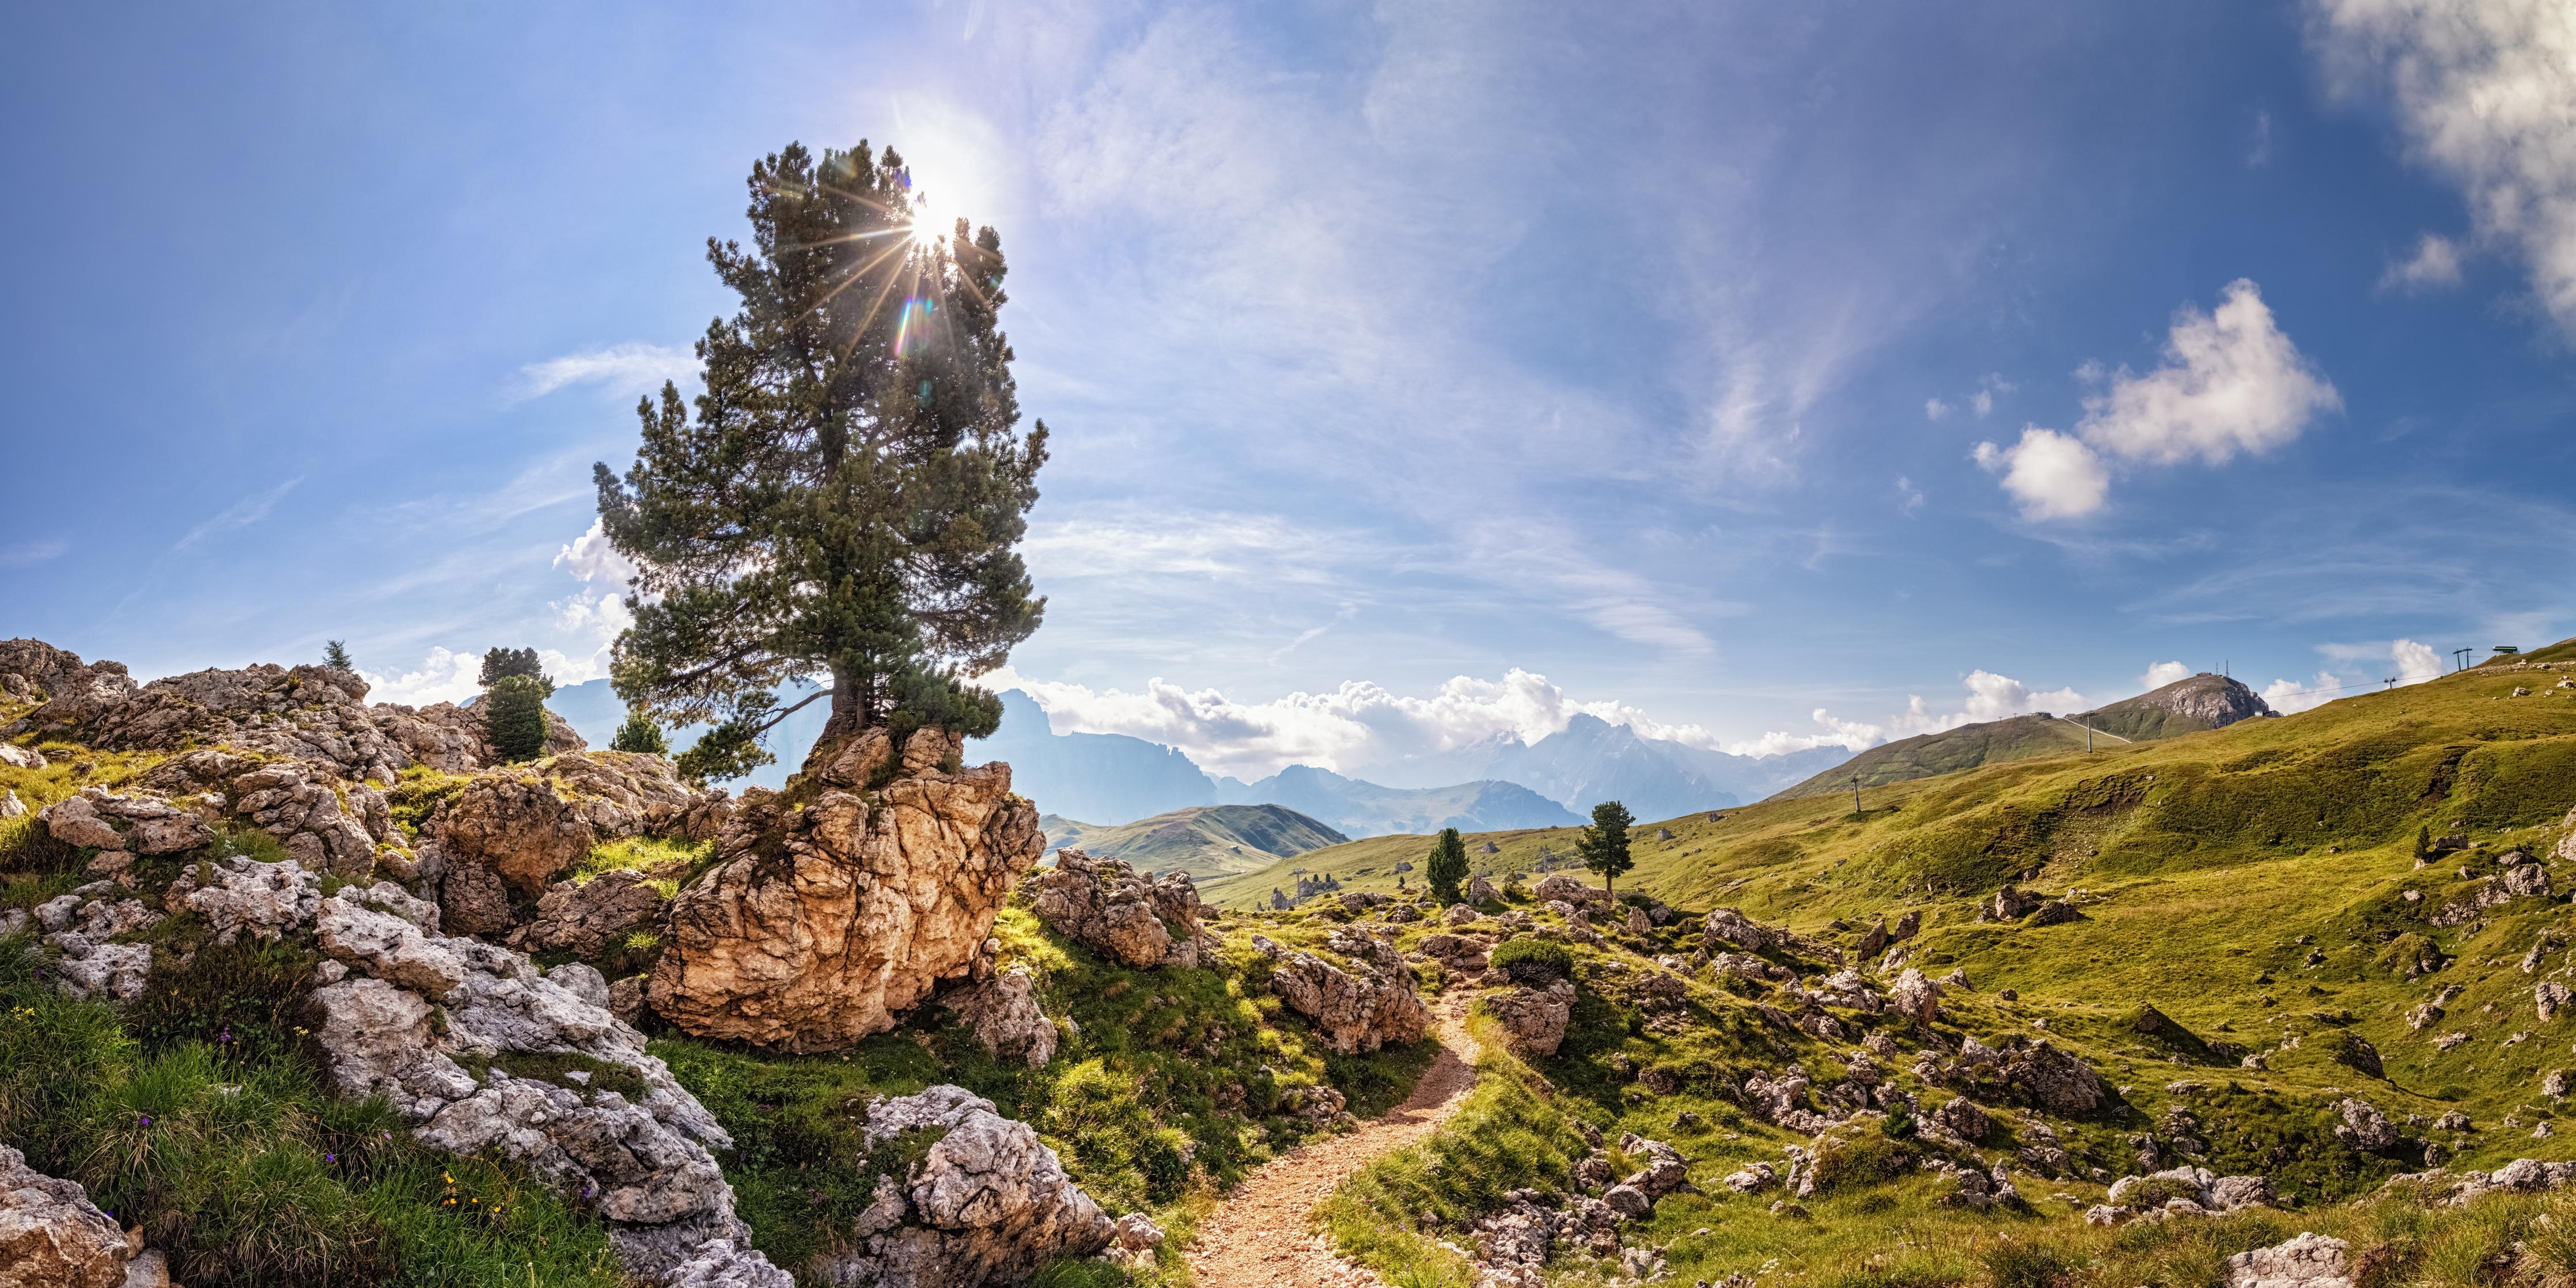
(772, 722)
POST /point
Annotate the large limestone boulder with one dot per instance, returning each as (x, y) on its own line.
(1365, 1006)
(586, 917)
(822, 922)
(530, 823)
(987, 1202)
(1533, 1019)
(51, 1235)
(1571, 889)
(1104, 906)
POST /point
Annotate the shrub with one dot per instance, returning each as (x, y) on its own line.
(2011, 1263)
(639, 734)
(1534, 962)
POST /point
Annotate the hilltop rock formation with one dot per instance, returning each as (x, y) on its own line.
(822, 921)
(51, 1235)
(1359, 1009)
(987, 1203)
(314, 714)
(1104, 906)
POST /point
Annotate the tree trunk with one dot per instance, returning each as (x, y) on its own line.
(849, 707)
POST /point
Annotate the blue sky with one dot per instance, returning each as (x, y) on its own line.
(1755, 373)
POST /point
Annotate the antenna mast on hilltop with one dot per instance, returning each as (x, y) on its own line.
(2460, 658)
(1855, 794)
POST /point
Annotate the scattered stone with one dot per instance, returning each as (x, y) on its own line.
(51, 1235)
(2309, 1261)
(1534, 1020)
(1136, 921)
(988, 1203)
(1359, 1009)
(2364, 1127)
(1003, 1014)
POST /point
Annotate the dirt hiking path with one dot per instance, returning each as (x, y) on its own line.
(1259, 1237)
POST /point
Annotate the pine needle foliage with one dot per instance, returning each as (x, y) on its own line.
(849, 492)
(1448, 867)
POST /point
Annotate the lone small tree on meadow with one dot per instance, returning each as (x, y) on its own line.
(335, 654)
(1603, 846)
(2423, 843)
(848, 495)
(639, 734)
(1447, 866)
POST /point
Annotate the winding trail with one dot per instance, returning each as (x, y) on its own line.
(1260, 1237)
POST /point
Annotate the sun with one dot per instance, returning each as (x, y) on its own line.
(932, 221)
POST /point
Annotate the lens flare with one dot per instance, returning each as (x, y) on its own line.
(912, 326)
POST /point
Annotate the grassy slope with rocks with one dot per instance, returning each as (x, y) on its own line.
(2242, 890)
(1203, 840)
(1167, 1086)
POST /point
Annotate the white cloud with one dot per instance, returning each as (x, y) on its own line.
(2053, 475)
(591, 557)
(2162, 674)
(1935, 409)
(2290, 696)
(2436, 262)
(240, 514)
(2232, 382)
(2403, 660)
(621, 369)
(1909, 498)
(2486, 92)
(2259, 152)
(1349, 728)
(1990, 697)
(445, 676)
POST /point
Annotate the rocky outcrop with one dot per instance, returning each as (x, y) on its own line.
(436, 1024)
(1002, 1013)
(986, 1202)
(313, 714)
(328, 824)
(1361, 1008)
(1572, 890)
(51, 1235)
(1136, 921)
(2364, 1127)
(2309, 1261)
(1533, 1019)
(530, 823)
(822, 922)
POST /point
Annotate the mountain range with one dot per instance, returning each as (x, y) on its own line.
(1498, 784)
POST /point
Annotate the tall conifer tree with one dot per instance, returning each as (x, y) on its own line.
(848, 495)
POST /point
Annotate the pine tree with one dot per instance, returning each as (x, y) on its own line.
(514, 717)
(850, 492)
(501, 663)
(1448, 866)
(640, 734)
(1604, 845)
(2423, 842)
(335, 654)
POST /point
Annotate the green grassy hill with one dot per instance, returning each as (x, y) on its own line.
(2197, 704)
(1203, 840)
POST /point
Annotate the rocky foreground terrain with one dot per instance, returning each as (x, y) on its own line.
(302, 989)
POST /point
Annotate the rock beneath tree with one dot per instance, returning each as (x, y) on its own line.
(825, 921)
(1135, 921)
(51, 1235)
(1558, 885)
(986, 1203)
(587, 917)
(1480, 890)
